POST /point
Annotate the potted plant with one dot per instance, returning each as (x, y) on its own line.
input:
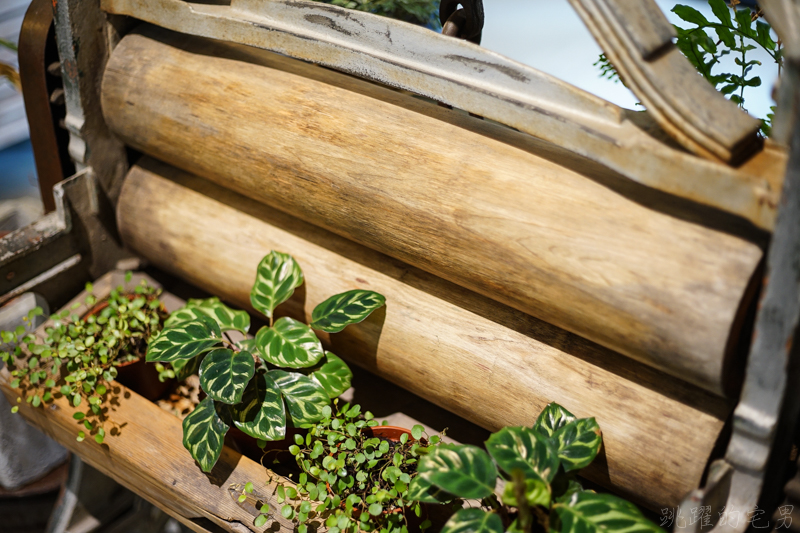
(355, 475)
(537, 468)
(258, 385)
(78, 356)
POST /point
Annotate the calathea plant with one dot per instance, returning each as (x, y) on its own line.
(252, 383)
(538, 466)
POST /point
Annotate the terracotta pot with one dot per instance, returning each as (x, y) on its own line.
(137, 375)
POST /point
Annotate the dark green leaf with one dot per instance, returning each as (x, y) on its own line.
(744, 22)
(334, 376)
(228, 319)
(277, 277)
(589, 512)
(305, 397)
(186, 367)
(721, 11)
(473, 521)
(551, 419)
(690, 14)
(289, 343)
(203, 434)
(261, 413)
(463, 470)
(224, 374)
(577, 443)
(421, 490)
(520, 448)
(341, 310)
(183, 340)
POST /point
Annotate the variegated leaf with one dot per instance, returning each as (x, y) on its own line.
(473, 521)
(186, 367)
(277, 277)
(535, 491)
(341, 310)
(422, 490)
(261, 413)
(305, 397)
(289, 343)
(522, 448)
(203, 434)
(552, 418)
(589, 512)
(334, 375)
(183, 340)
(224, 374)
(577, 443)
(227, 318)
(463, 470)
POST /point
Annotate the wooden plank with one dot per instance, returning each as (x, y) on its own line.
(143, 451)
(486, 362)
(477, 80)
(486, 210)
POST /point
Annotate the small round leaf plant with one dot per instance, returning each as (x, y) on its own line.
(538, 466)
(352, 479)
(258, 385)
(78, 356)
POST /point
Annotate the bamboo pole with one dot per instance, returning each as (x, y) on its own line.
(486, 208)
(482, 360)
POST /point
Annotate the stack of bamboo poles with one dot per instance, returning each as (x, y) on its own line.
(514, 274)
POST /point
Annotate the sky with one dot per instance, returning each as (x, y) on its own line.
(549, 36)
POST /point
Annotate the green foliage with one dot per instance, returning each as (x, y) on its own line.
(538, 466)
(78, 357)
(736, 31)
(253, 383)
(350, 307)
(420, 12)
(352, 480)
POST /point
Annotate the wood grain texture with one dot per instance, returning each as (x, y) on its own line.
(484, 214)
(486, 362)
(143, 452)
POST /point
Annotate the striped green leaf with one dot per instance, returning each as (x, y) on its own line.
(261, 413)
(463, 470)
(277, 277)
(577, 443)
(589, 512)
(305, 397)
(224, 374)
(422, 490)
(473, 521)
(228, 319)
(183, 340)
(551, 419)
(186, 367)
(289, 343)
(520, 448)
(535, 491)
(203, 434)
(341, 310)
(334, 375)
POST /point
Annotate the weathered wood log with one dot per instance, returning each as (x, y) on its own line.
(143, 452)
(484, 361)
(483, 208)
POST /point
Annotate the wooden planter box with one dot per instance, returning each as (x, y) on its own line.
(143, 450)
